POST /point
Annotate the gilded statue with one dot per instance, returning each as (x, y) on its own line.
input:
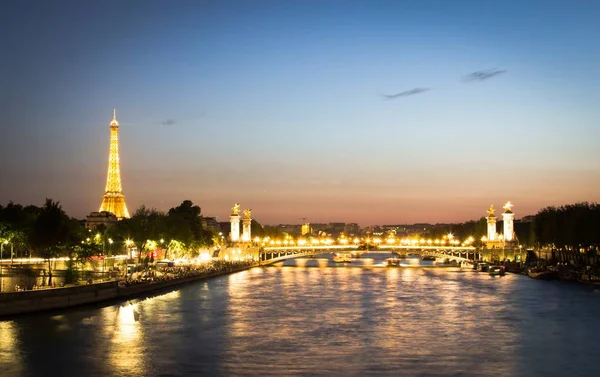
(507, 207)
(490, 211)
(247, 213)
(236, 209)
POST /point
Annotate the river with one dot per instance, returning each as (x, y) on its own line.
(346, 321)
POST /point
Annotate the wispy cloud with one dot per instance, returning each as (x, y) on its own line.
(168, 122)
(406, 93)
(483, 75)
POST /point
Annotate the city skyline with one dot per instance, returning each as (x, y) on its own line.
(279, 107)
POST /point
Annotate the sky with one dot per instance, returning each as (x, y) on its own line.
(279, 105)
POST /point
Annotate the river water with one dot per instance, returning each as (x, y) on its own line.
(340, 321)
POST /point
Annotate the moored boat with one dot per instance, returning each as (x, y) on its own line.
(342, 258)
(392, 262)
(589, 279)
(567, 275)
(497, 270)
(541, 273)
(482, 266)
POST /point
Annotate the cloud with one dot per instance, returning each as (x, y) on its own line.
(406, 93)
(483, 75)
(168, 122)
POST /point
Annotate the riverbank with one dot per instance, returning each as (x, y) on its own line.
(31, 301)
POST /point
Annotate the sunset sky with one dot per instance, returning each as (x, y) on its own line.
(278, 105)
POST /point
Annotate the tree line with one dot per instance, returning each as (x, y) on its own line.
(48, 232)
(568, 227)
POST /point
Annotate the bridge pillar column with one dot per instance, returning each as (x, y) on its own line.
(247, 222)
(234, 235)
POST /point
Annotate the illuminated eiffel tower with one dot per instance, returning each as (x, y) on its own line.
(113, 200)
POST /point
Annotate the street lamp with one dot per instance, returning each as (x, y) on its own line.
(128, 244)
(2, 264)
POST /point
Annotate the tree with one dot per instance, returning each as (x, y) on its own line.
(256, 229)
(51, 233)
(186, 225)
(571, 229)
(17, 225)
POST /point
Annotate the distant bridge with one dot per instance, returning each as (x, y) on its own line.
(275, 254)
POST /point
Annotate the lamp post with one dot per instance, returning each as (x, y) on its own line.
(128, 244)
(110, 242)
(483, 246)
(2, 264)
(162, 241)
(11, 252)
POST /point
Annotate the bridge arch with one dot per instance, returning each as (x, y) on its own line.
(269, 255)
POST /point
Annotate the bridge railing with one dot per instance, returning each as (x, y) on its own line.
(317, 247)
(274, 254)
(380, 247)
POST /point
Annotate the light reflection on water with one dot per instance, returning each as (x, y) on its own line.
(321, 321)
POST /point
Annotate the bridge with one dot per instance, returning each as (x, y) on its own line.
(275, 254)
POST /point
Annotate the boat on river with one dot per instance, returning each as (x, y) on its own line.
(541, 273)
(342, 258)
(589, 279)
(497, 270)
(392, 262)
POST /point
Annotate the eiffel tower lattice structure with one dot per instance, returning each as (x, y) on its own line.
(113, 200)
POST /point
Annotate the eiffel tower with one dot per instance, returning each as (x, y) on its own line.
(113, 200)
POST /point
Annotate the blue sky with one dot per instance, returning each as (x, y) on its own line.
(277, 105)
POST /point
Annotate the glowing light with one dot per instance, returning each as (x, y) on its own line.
(113, 200)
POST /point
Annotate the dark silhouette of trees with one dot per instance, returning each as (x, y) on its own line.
(569, 227)
(148, 226)
(474, 228)
(52, 233)
(256, 229)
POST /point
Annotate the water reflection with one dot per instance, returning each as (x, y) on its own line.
(126, 349)
(9, 348)
(321, 321)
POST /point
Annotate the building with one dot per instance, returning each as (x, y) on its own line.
(96, 219)
(352, 229)
(306, 229)
(210, 224)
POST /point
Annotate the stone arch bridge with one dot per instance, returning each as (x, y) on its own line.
(275, 254)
